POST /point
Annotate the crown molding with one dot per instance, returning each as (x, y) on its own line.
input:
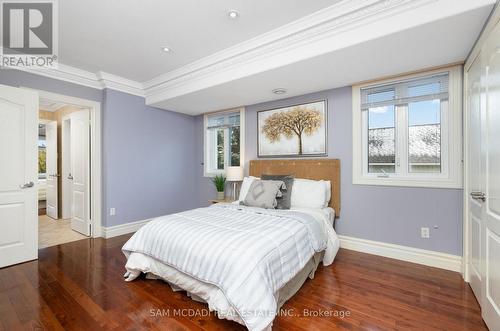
(266, 39)
(287, 44)
(68, 74)
(118, 83)
(310, 36)
(100, 80)
(343, 24)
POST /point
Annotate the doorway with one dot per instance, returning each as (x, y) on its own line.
(62, 151)
(19, 205)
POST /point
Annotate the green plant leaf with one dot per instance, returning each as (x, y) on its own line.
(219, 182)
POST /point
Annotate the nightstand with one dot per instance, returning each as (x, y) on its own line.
(214, 201)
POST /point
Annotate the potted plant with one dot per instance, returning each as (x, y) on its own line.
(219, 182)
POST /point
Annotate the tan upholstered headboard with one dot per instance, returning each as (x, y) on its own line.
(317, 169)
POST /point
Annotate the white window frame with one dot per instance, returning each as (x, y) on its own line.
(213, 172)
(451, 138)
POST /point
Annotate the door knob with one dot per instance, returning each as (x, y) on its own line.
(70, 177)
(478, 195)
(27, 185)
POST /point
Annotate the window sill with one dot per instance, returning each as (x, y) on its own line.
(409, 182)
(212, 174)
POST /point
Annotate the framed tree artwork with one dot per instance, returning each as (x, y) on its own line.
(294, 131)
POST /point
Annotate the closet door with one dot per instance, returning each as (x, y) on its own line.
(491, 157)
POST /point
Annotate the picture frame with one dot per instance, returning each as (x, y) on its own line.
(298, 130)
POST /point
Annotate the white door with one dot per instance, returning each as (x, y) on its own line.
(18, 175)
(473, 90)
(80, 158)
(52, 169)
(491, 158)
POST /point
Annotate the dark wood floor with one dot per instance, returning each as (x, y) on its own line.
(79, 286)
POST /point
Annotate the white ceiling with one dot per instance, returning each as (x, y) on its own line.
(53, 106)
(49, 105)
(218, 63)
(124, 37)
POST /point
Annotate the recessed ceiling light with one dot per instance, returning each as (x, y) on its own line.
(166, 49)
(279, 91)
(233, 14)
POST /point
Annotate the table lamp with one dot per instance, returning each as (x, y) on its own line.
(235, 175)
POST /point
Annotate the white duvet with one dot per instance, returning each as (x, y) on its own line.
(248, 253)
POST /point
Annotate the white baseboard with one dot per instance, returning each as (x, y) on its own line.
(118, 230)
(404, 253)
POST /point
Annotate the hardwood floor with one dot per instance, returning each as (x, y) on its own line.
(79, 286)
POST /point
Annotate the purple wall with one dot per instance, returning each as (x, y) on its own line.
(387, 214)
(148, 159)
(152, 165)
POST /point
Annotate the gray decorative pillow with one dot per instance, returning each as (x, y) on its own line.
(263, 193)
(284, 201)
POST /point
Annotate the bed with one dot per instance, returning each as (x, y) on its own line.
(244, 262)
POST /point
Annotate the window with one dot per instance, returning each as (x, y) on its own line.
(223, 141)
(42, 162)
(408, 132)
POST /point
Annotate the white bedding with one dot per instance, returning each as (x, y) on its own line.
(236, 258)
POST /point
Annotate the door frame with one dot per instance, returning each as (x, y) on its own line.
(95, 153)
(493, 20)
(65, 164)
(465, 197)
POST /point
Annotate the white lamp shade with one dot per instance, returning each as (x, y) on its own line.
(234, 174)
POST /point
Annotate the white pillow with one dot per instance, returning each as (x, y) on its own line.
(328, 193)
(245, 186)
(308, 193)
